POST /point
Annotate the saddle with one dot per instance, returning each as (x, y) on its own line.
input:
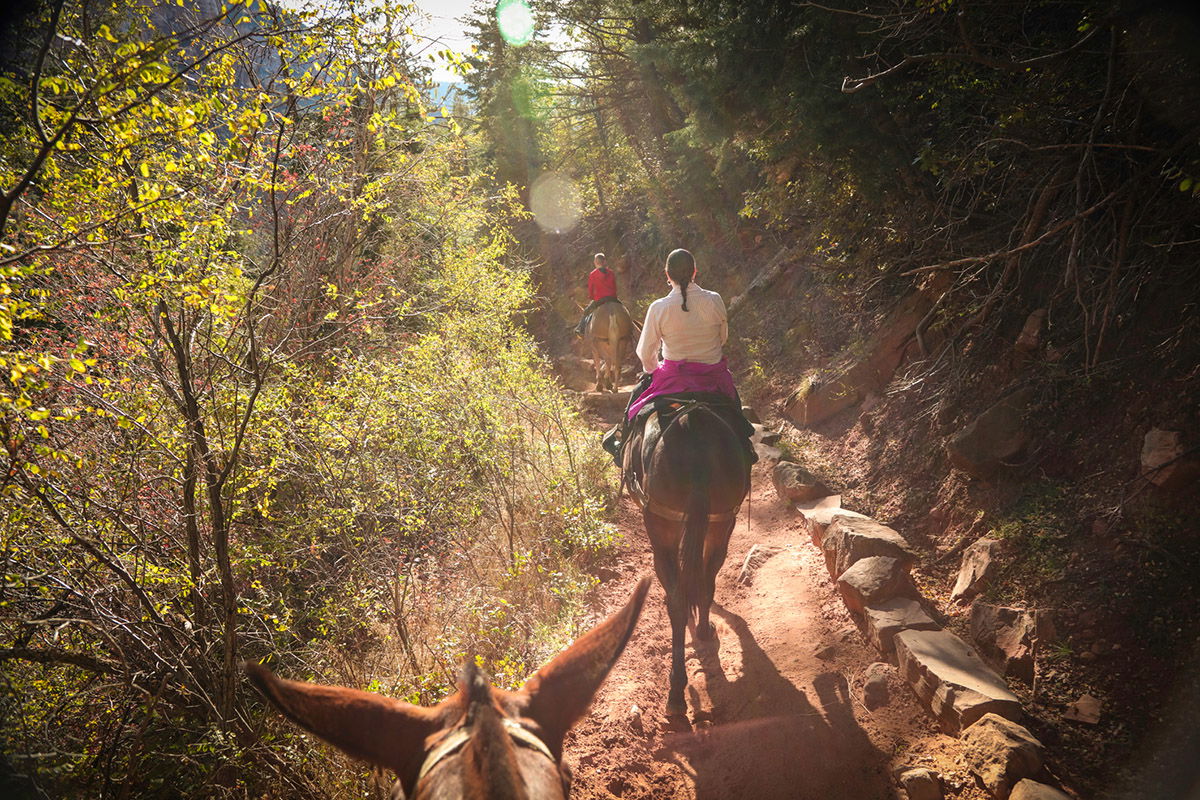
(641, 437)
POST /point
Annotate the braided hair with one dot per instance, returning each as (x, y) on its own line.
(681, 268)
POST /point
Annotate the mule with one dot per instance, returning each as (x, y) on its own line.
(481, 742)
(690, 476)
(610, 336)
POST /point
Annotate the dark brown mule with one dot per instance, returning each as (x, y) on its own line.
(480, 742)
(695, 472)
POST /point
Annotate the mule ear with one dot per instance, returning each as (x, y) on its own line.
(383, 731)
(561, 691)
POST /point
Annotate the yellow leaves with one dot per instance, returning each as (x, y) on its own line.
(144, 169)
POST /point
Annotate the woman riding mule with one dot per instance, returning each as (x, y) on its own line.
(689, 464)
(691, 338)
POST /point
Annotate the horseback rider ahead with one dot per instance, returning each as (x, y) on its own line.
(690, 326)
(602, 288)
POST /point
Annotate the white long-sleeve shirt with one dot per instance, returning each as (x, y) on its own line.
(693, 335)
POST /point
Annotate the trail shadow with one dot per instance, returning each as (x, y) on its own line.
(769, 741)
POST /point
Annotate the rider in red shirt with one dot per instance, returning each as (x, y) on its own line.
(602, 287)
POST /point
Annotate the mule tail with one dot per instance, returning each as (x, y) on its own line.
(695, 531)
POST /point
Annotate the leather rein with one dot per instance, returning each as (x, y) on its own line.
(454, 741)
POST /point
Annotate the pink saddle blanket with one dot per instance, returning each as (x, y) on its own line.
(673, 377)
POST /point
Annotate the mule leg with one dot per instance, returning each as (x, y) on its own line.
(596, 366)
(664, 543)
(716, 545)
(614, 364)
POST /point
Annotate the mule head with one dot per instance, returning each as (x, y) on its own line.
(480, 742)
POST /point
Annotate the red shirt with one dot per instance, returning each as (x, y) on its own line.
(601, 283)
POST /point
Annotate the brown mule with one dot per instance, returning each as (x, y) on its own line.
(691, 475)
(480, 742)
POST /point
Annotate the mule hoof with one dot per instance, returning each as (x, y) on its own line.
(705, 632)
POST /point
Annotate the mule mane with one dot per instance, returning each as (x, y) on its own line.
(485, 743)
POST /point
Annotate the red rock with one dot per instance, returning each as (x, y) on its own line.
(848, 539)
(1030, 337)
(883, 621)
(794, 484)
(819, 514)
(1086, 709)
(951, 679)
(978, 566)
(1000, 753)
(873, 580)
(1005, 638)
(1164, 463)
(997, 435)
(1027, 789)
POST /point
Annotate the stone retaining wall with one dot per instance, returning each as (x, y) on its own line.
(870, 565)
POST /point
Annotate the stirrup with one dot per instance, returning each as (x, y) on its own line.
(613, 443)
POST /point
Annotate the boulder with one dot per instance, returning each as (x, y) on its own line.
(875, 691)
(1000, 753)
(951, 679)
(921, 783)
(1005, 638)
(1027, 789)
(763, 436)
(767, 454)
(848, 539)
(795, 484)
(1164, 463)
(997, 435)
(883, 621)
(1030, 338)
(819, 514)
(874, 579)
(978, 566)
(818, 399)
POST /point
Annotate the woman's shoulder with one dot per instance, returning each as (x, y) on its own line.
(662, 301)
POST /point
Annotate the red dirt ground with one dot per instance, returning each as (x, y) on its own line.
(769, 717)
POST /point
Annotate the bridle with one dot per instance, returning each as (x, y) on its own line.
(456, 739)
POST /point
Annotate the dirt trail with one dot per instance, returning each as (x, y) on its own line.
(770, 718)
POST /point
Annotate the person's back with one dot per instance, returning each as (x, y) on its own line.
(692, 330)
(602, 288)
(602, 282)
(689, 327)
